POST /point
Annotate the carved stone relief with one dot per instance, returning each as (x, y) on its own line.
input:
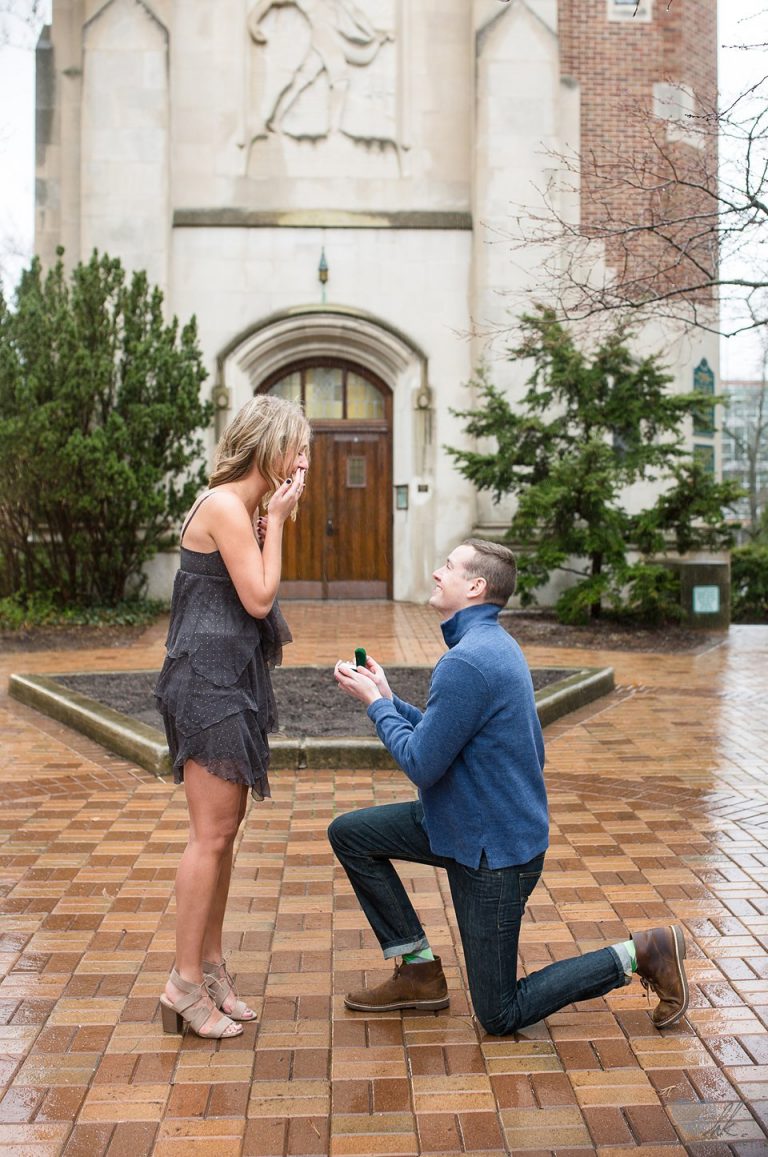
(319, 69)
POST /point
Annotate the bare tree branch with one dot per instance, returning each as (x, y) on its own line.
(14, 254)
(21, 21)
(660, 230)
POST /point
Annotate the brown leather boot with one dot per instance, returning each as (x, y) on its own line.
(660, 955)
(411, 986)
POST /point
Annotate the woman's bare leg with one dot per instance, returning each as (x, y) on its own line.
(213, 946)
(215, 811)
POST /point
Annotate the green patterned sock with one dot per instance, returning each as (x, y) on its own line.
(630, 947)
(422, 957)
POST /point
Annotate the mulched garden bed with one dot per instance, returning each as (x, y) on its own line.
(541, 629)
(308, 699)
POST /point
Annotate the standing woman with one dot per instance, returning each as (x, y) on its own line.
(215, 692)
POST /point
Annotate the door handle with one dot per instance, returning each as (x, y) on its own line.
(329, 528)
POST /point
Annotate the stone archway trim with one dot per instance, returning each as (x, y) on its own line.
(320, 332)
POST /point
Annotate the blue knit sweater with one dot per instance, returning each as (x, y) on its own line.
(476, 753)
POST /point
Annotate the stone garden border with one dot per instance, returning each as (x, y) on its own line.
(145, 745)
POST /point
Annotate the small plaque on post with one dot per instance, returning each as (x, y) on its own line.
(706, 600)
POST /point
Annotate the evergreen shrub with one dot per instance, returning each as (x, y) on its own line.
(100, 421)
(749, 583)
(590, 425)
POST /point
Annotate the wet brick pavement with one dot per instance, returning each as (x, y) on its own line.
(659, 798)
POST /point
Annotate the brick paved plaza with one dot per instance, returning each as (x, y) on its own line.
(659, 797)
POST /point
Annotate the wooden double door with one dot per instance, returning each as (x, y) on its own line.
(340, 546)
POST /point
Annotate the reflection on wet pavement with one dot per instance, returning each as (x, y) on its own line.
(659, 800)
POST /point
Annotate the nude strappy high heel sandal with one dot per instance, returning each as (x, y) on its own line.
(193, 1009)
(220, 987)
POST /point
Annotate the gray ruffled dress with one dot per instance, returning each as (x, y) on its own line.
(214, 691)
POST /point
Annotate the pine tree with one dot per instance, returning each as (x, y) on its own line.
(100, 414)
(588, 427)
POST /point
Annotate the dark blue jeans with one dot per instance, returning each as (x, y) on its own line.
(489, 907)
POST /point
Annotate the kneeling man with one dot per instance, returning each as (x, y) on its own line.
(476, 754)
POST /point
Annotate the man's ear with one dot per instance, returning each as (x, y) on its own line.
(477, 588)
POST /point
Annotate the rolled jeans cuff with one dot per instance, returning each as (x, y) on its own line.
(623, 958)
(407, 947)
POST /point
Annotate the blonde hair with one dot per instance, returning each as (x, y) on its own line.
(262, 434)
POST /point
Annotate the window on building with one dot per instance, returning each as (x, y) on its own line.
(744, 434)
(676, 104)
(704, 415)
(332, 393)
(356, 473)
(638, 11)
(673, 102)
(704, 454)
(323, 392)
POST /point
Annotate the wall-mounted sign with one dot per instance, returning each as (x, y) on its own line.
(706, 600)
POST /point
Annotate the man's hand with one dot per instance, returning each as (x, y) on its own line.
(357, 682)
(379, 678)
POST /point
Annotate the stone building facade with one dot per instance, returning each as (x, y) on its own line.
(327, 185)
(745, 447)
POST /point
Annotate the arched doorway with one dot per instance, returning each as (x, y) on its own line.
(341, 545)
(270, 351)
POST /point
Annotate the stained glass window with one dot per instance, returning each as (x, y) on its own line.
(332, 393)
(288, 387)
(323, 392)
(363, 399)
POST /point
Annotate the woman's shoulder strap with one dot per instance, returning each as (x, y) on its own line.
(192, 514)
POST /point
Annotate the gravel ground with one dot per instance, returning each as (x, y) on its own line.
(309, 702)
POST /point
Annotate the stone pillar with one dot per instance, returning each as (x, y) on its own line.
(125, 203)
(57, 133)
(521, 109)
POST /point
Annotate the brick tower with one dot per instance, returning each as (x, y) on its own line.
(643, 72)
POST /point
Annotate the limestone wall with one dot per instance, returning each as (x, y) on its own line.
(224, 147)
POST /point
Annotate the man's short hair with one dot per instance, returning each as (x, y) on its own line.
(496, 564)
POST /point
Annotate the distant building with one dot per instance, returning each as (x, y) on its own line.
(327, 185)
(745, 443)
